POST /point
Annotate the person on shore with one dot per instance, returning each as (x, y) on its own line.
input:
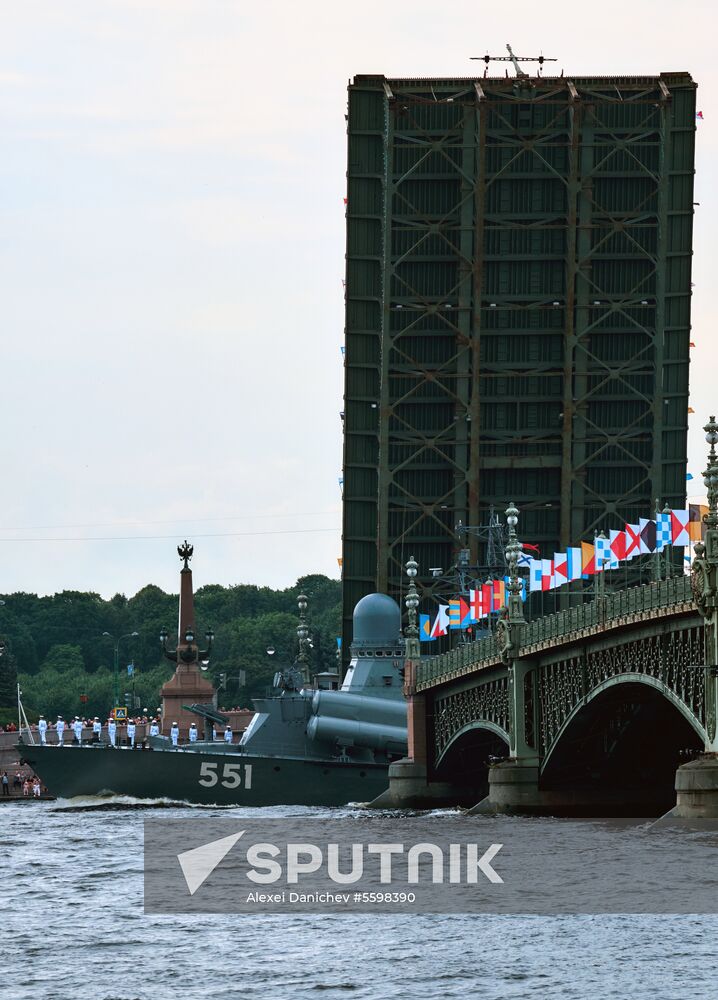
(26, 787)
(96, 730)
(5, 783)
(193, 733)
(60, 730)
(17, 783)
(77, 729)
(228, 733)
(131, 732)
(112, 731)
(174, 734)
(42, 729)
(36, 789)
(154, 728)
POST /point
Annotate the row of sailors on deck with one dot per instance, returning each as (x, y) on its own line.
(174, 734)
(77, 725)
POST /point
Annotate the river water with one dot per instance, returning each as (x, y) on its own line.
(73, 926)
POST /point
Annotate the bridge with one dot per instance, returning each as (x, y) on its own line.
(591, 709)
(606, 708)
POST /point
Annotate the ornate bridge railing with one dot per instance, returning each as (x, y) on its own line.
(611, 611)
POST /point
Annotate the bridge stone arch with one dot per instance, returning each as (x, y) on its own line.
(628, 677)
(656, 655)
(479, 725)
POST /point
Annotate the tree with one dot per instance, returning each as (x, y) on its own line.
(8, 677)
(64, 658)
(60, 652)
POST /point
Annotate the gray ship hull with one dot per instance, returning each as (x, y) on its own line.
(227, 778)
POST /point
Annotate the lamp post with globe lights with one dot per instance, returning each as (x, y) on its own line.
(514, 604)
(117, 640)
(411, 602)
(303, 658)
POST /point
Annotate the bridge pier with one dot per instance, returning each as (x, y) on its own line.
(697, 789)
(409, 784)
(513, 790)
(514, 783)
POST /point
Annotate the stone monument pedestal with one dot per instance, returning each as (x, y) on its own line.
(187, 686)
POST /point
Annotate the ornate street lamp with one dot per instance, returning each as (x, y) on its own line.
(304, 651)
(117, 640)
(411, 601)
(710, 476)
(514, 548)
(188, 651)
(303, 656)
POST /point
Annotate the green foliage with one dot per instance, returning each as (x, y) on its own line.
(60, 652)
(8, 677)
(8, 715)
(63, 659)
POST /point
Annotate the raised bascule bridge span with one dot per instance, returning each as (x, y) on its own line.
(590, 710)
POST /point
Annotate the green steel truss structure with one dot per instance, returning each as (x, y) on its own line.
(518, 289)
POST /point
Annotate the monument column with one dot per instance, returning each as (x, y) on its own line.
(187, 686)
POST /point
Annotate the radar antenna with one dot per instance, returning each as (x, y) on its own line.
(515, 60)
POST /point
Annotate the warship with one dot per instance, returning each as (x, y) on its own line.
(306, 744)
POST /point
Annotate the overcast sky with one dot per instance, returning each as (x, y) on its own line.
(172, 254)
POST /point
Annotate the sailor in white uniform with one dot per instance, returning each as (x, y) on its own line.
(112, 731)
(228, 733)
(174, 733)
(42, 729)
(193, 733)
(154, 728)
(96, 730)
(131, 732)
(60, 729)
(77, 727)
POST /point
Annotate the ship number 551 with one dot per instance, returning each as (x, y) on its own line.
(231, 775)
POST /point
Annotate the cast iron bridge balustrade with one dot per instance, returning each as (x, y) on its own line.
(552, 667)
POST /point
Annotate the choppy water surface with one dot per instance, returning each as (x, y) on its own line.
(73, 926)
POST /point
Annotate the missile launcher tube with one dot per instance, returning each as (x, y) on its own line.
(348, 732)
(344, 705)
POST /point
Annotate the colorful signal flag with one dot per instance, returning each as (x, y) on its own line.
(648, 535)
(633, 540)
(696, 527)
(588, 559)
(425, 628)
(664, 534)
(441, 622)
(679, 527)
(560, 568)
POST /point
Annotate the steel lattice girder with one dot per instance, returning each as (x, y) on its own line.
(518, 311)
